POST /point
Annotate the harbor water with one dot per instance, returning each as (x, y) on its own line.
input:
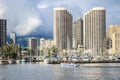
(40, 71)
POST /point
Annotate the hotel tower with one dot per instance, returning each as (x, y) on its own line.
(62, 28)
(95, 31)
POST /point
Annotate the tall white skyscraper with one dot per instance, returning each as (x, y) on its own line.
(95, 31)
(62, 28)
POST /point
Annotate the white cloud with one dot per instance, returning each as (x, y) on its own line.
(42, 5)
(22, 16)
(28, 26)
(2, 10)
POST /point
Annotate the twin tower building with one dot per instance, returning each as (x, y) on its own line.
(89, 33)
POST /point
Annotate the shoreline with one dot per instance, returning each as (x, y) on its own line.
(54, 62)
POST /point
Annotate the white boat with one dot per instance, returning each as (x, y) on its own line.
(0, 61)
(10, 61)
(46, 61)
(22, 61)
(69, 65)
(17, 61)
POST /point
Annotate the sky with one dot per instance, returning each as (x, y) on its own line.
(36, 16)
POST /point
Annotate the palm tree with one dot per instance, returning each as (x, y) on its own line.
(30, 52)
(27, 52)
(41, 53)
(53, 50)
(10, 51)
(49, 52)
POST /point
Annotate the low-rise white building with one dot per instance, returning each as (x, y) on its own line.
(45, 44)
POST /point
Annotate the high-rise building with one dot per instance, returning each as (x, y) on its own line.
(95, 31)
(62, 29)
(78, 33)
(32, 44)
(114, 36)
(3, 26)
(13, 37)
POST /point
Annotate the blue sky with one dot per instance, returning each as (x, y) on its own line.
(36, 16)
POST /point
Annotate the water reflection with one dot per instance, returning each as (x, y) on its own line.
(56, 72)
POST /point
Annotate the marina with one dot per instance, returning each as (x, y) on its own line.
(62, 61)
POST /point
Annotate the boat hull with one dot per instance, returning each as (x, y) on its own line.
(69, 65)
